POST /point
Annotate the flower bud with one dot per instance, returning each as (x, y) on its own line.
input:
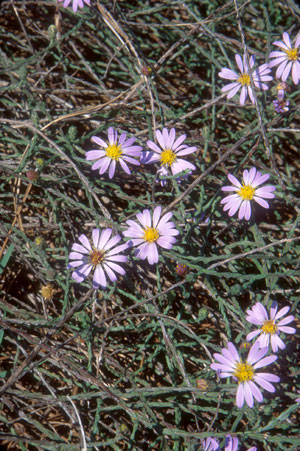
(32, 175)
(181, 269)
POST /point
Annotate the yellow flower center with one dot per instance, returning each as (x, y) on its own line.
(244, 372)
(246, 192)
(292, 54)
(167, 157)
(244, 80)
(151, 234)
(96, 257)
(269, 327)
(113, 151)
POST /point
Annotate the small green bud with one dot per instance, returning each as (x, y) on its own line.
(124, 428)
(39, 163)
(50, 275)
(52, 31)
(35, 118)
(205, 132)
(202, 314)
(72, 133)
(39, 241)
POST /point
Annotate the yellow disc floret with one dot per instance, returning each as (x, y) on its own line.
(244, 79)
(246, 192)
(167, 157)
(113, 151)
(269, 327)
(151, 234)
(244, 372)
(292, 54)
(96, 257)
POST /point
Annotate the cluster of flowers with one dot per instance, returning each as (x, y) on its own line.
(287, 61)
(153, 229)
(245, 372)
(150, 230)
(104, 257)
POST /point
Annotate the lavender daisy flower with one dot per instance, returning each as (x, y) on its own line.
(245, 372)
(243, 81)
(169, 152)
(116, 150)
(281, 106)
(100, 256)
(287, 59)
(231, 444)
(76, 3)
(150, 232)
(210, 444)
(281, 88)
(270, 327)
(246, 192)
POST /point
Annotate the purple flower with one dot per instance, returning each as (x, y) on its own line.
(246, 192)
(116, 150)
(245, 372)
(210, 444)
(281, 106)
(76, 3)
(243, 80)
(287, 59)
(101, 256)
(281, 88)
(169, 152)
(231, 444)
(270, 327)
(150, 232)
